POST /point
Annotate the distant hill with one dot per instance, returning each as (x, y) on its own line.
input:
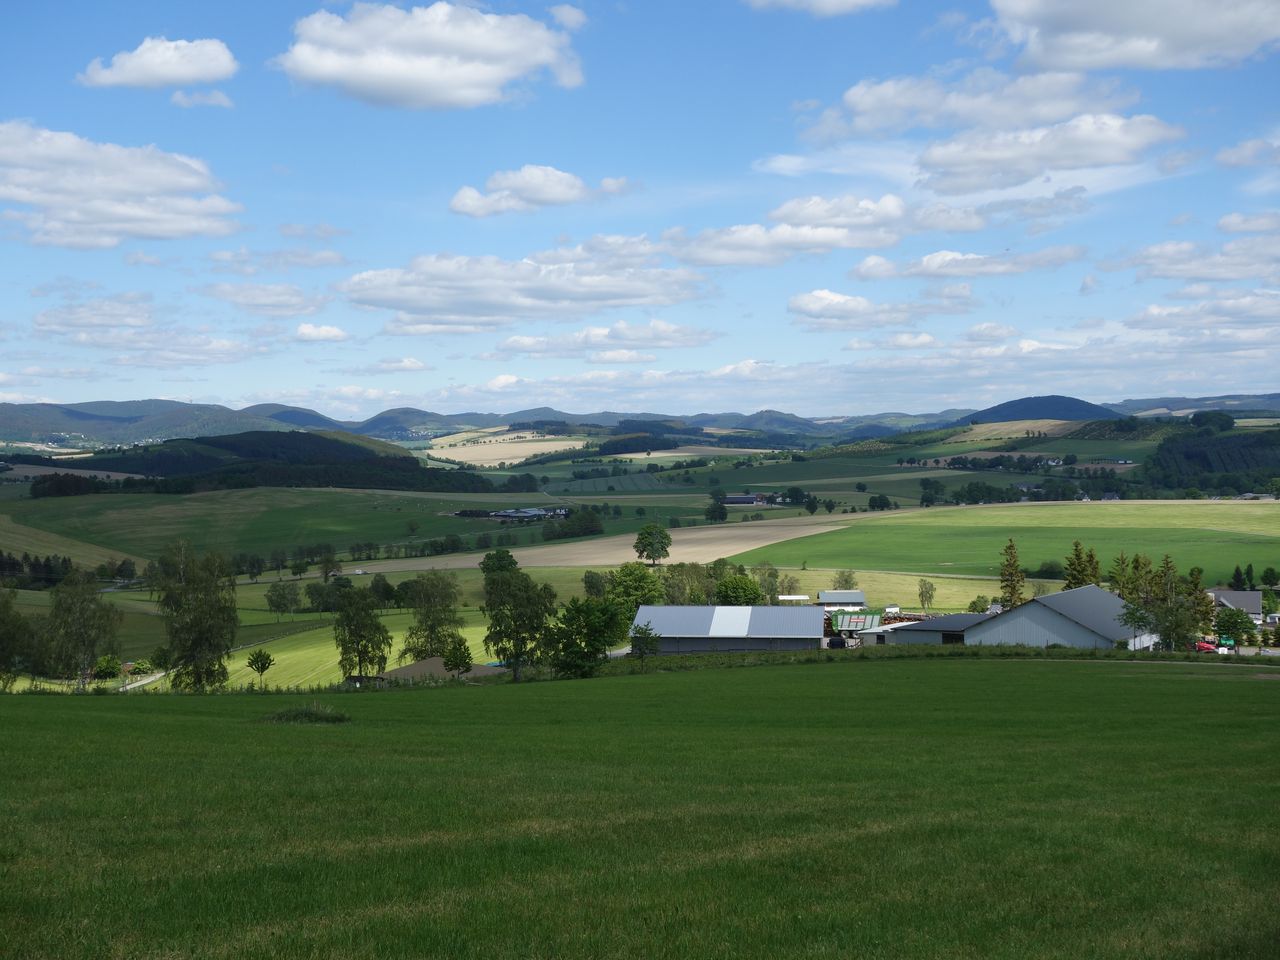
(296, 417)
(1233, 403)
(1052, 407)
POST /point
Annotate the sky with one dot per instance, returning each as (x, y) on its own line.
(827, 207)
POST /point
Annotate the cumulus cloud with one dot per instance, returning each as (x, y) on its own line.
(844, 211)
(444, 292)
(618, 343)
(980, 160)
(569, 17)
(983, 98)
(1265, 222)
(1249, 313)
(821, 8)
(201, 98)
(73, 192)
(1249, 258)
(314, 333)
(437, 57)
(754, 244)
(990, 332)
(159, 62)
(267, 299)
(950, 263)
(530, 187)
(1249, 153)
(123, 310)
(249, 262)
(828, 310)
(1148, 34)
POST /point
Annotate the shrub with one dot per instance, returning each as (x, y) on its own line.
(314, 712)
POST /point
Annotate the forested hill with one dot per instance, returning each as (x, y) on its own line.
(1051, 407)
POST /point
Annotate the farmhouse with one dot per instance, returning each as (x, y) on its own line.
(1250, 601)
(1087, 617)
(732, 629)
(850, 601)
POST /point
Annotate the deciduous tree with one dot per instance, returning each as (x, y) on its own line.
(435, 597)
(260, 662)
(15, 633)
(361, 637)
(582, 635)
(81, 626)
(653, 543)
(198, 601)
(457, 656)
(632, 586)
(925, 591)
(739, 590)
(283, 596)
(518, 610)
(844, 580)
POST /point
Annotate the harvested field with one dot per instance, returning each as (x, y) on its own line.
(691, 450)
(487, 448)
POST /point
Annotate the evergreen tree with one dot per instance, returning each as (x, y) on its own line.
(1076, 568)
(1237, 579)
(1093, 569)
(1012, 579)
(1119, 577)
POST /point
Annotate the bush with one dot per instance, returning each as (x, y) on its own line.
(314, 712)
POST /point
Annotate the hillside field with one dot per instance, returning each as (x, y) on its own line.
(913, 809)
(1215, 535)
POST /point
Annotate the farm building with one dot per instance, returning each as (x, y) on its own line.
(733, 629)
(742, 500)
(1250, 601)
(832, 601)
(937, 630)
(849, 625)
(1086, 617)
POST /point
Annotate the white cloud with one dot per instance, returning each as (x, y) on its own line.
(1249, 258)
(123, 310)
(311, 231)
(979, 160)
(249, 262)
(620, 356)
(1253, 313)
(313, 333)
(983, 98)
(613, 344)
(757, 245)
(828, 310)
(530, 187)
(569, 17)
(893, 162)
(844, 211)
(201, 98)
(73, 192)
(950, 263)
(1249, 153)
(158, 62)
(990, 332)
(443, 292)
(1150, 34)
(436, 57)
(266, 299)
(1266, 222)
(913, 341)
(822, 8)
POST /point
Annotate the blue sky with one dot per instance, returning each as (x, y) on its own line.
(829, 207)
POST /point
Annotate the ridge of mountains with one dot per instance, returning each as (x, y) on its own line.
(137, 421)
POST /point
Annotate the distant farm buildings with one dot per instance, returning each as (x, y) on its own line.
(849, 601)
(733, 629)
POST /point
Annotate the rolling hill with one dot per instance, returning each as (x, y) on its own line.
(1050, 407)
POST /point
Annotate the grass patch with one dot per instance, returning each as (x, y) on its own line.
(314, 712)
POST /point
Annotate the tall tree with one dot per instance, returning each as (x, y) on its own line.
(361, 637)
(81, 625)
(283, 596)
(1092, 569)
(329, 564)
(495, 563)
(653, 543)
(15, 633)
(198, 601)
(1119, 578)
(765, 575)
(1012, 579)
(844, 580)
(632, 586)
(925, 591)
(1237, 579)
(457, 657)
(437, 622)
(1076, 568)
(582, 635)
(518, 610)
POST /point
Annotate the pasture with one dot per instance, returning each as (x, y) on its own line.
(968, 540)
(916, 809)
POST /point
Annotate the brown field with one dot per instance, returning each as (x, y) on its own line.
(691, 450)
(494, 445)
(1014, 430)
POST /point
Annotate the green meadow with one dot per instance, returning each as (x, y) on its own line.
(874, 809)
(968, 540)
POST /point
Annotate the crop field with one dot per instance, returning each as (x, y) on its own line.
(913, 809)
(493, 445)
(968, 540)
(1014, 430)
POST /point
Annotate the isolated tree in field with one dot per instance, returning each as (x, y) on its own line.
(436, 620)
(361, 637)
(15, 633)
(582, 635)
(1012, 579)
(645, 642)
(653, 543)
(829, 506)
(739, 590)
(716, 513)
(457, 657)
(283, 597)
(260, 662)
(925, 591)
(81, 625)
(844, 580)
(494, 564)
(632, 586)
(382, 589)
(811, 504)
(198, 601)
(518, 610)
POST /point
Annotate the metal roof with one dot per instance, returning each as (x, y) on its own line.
(1250, 601)
(951, 622)
(855, 621)
(672, 621)
(842, 596)
(1095, 609)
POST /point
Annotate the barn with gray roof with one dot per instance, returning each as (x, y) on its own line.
(1086, 617)
(733, 629)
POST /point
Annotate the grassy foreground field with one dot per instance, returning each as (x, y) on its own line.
(869, 809)
(968, 540)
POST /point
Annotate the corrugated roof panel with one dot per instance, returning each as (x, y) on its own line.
(1092, 607)
(676, 621)
(786, 621)
(842, 596)
(730, 622)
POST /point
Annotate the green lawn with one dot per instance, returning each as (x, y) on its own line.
(915, 809)
(1213, 535)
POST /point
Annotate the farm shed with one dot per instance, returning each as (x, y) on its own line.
(1250, 601)
(1087, 617)
(937, 630)
(833, 600)
(733, 629)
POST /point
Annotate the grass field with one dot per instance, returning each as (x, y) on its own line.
(968, 540)
(918, 809)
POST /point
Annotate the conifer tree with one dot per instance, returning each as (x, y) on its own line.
(1012, 579)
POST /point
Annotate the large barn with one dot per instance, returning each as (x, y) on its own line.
(1087, 617)
(733, 629)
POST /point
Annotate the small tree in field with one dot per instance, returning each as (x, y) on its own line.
(925, 591)
(260, 662)
(653, 543)
(844, 580)
(457, 656)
